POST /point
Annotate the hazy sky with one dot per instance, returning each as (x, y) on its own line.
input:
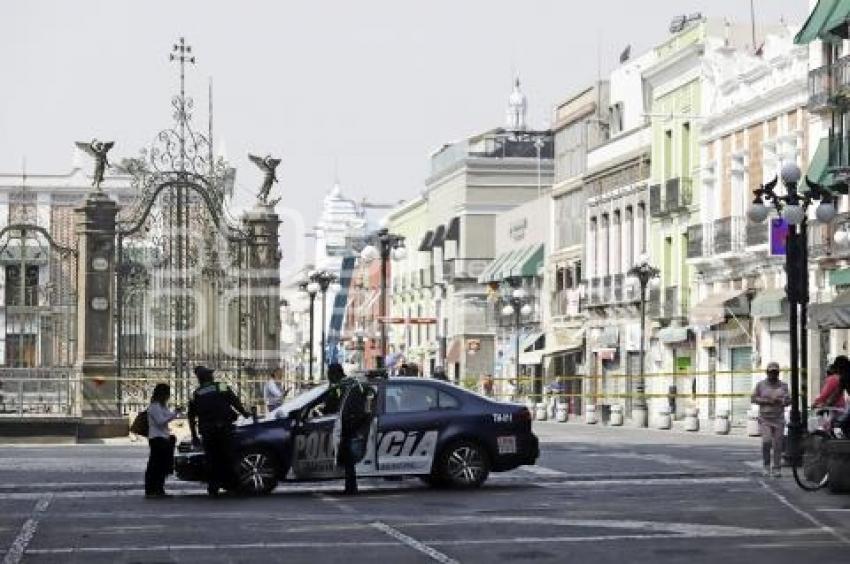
(372, 85)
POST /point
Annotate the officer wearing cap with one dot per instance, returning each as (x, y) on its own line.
(212, 410)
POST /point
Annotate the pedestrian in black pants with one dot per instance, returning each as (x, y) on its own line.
(212, 411)
(161, 442)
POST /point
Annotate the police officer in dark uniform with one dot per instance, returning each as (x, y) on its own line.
(212, 410)
(353, 406)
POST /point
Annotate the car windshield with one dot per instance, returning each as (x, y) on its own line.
(297, 402)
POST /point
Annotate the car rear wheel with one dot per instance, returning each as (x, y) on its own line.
(464, 464)
(257, 473)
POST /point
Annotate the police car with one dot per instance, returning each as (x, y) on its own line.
(439, 432)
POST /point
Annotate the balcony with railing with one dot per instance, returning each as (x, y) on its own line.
(675, 302)
(464, 268)
(829, 86)
(656, 206)
(677, 194)
(653, 302)
(729, 234)
(757, 233)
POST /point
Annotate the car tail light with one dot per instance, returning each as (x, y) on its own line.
(523, 414)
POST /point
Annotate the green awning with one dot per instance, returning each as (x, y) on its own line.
(528, 262)
(840, 277)
(489, 274)
(768, 303)
(816, 172)
(826, 17)
(507, 267)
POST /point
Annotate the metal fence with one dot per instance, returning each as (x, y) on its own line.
(38, 392)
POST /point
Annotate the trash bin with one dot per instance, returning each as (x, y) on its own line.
(605, 413)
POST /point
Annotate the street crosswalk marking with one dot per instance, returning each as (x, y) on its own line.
(22, 541)
(543, 471)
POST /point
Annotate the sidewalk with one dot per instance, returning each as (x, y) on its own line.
(578, 431)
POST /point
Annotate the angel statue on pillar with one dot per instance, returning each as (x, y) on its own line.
(97, 150)
(268, 165)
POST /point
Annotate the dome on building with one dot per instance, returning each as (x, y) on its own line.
(517, 108)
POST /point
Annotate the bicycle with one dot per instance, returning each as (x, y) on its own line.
(813, 473)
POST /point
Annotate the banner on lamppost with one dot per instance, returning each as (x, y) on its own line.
(778, 236)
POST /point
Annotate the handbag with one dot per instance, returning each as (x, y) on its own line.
(140, 425)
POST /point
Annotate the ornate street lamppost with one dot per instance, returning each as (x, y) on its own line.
(792, 207)
(320, 281)
(643, 274)
(311, 289)
(517, 306)
(384, 245)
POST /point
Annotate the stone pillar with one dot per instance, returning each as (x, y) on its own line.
(96, 305)
(263, 262)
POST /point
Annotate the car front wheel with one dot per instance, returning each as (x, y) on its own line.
(257, 473)
(464, 464)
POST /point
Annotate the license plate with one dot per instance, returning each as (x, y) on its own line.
(507, 445)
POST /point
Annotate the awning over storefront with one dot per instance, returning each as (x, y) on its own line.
(489, 273)
(528, 261)
(671, 335)
(528, 341)
(825, 21)
(714, 308)
(768, 303)
(453, 232)
(425, 245)
(566, 339)
(817, 171)
(508, 266)
(833, 315)
(439, 237)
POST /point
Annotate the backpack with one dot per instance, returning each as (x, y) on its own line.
(140, 425)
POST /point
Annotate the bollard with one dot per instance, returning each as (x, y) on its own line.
(590, 415)
(616, 415)
(691, 419)
(662, 419)
(721, 422)
(561, 412)
(753, 422)
(551, 408)
(540, 412)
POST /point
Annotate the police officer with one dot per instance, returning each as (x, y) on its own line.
(213, 409)
(355, 418)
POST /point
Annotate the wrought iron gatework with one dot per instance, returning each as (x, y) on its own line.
(182, 266)
(38, 268)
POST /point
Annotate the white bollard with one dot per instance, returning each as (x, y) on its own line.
(561, 412)
(590, 415)
(616, 415)
(551, 407)
(691, 419)
(663, 419)
(540, 412)
(721, 422)
(753, 422)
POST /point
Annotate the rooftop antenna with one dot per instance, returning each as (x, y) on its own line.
(210, 133)
(753, 22)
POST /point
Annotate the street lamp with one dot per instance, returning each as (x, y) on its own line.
(793, 207)
(643, 274)
(311, 289)
(517, 306)
(384, 245)
(320, 281)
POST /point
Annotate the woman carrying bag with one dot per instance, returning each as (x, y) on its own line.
(161, 460)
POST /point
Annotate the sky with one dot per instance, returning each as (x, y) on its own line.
(361, 90)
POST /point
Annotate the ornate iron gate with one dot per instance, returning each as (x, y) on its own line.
(182, 268)
(38, 310)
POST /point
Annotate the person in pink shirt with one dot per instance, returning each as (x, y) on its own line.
(832, 393)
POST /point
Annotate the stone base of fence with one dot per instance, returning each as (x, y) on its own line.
(60, 429)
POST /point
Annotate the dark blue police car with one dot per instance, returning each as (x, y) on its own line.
(427, 428)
